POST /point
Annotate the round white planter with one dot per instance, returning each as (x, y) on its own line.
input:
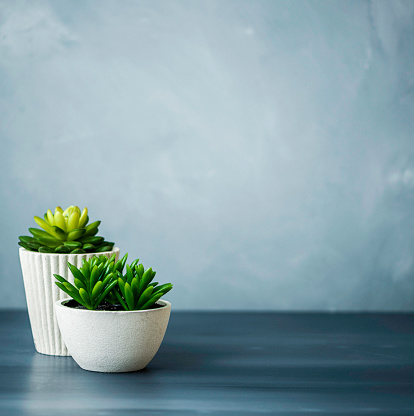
(42, 293)
(112, 341)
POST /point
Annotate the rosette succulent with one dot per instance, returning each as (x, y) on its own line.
(102, 280)
(65, 231)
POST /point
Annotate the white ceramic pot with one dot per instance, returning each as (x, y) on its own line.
(112, 341)
(42, 293)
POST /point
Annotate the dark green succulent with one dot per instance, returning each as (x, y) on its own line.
(101, 279)
(65, 232)
(93, 281)
(136, 289)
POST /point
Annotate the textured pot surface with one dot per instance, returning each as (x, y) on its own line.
(112, 341)
(42, 293)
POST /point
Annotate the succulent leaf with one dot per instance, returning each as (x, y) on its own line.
(135, 288)
(102, 249)
(26, 246)
(140, 270)
(92, 228)
(74, 295)
(75, 234)
(91, 239)
(27, 239)
(121, 286)
(30, 242)
(129, 274)
(120, 299)
(145, 280)
(43, 249)
(60, 278)
(151, 301)
(134, 263)
(50, 217)
(67, 211)
(77, 274)
(83, 219)
(108, 278)
(106, 292)
(72, 244)
(89, 247)
(85, 297)
(79, 284)
(69, 286)
(97, 290)
(58, 233)
(119, 265)
(94, 275)
(144, 298)
(163, 288)
(62, 249)
(129, 296)
(85, 269)
(60, 221)
(73, 221)
(78, 251)
(43, 224)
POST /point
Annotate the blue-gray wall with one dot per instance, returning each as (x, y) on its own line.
(258, 154)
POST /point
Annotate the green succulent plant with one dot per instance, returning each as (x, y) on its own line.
(65, 231)
(93, 281)
(101, 279)
(136, 291)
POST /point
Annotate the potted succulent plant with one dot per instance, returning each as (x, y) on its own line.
(66, 236)
(112, 322)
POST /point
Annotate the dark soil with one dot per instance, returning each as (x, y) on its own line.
(105, 306)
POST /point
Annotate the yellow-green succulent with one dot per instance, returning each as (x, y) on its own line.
(65, 231)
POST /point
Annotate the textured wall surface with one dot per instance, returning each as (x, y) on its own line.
(257, 154)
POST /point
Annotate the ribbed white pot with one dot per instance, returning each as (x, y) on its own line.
(112, 341)
(42, 293)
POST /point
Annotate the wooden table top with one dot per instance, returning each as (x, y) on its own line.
(227, 363)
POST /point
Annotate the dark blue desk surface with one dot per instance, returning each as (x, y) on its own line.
(227, 364)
